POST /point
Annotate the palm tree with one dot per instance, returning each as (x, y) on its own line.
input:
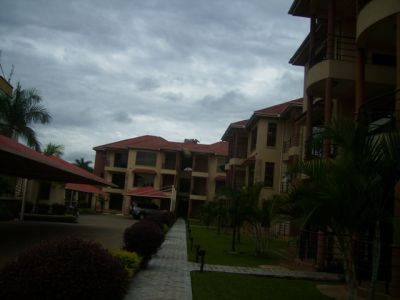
(82, 163)
(350, 194)
(53, 150)
(20, 111)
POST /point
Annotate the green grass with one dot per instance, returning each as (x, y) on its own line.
(225, 286)
(218, 249)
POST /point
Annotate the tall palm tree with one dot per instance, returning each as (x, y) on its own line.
(350, 193)
(52, 149)
(84, 164)
(20, 111)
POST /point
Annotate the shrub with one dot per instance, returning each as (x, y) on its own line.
(130, 260)
(144, 238)
(58, 209)
(165, 229)
(64, 269)
(43, 209)
(51, 218)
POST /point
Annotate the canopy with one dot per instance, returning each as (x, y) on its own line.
(148, 191)
(19, 160)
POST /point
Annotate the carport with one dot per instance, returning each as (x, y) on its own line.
(21, 161)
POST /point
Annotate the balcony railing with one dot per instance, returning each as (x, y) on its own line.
(378, 111)
(293, 141)
(344, 49)
(314, 147)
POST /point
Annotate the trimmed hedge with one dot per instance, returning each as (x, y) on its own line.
(64, 269)
(144, 238)
(51, 218)
(130, 260)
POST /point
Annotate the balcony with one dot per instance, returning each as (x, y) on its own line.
(378, 111)
(376, 20)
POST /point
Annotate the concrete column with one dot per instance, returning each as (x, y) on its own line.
(394, 289)
(312, 39)
(327, 114)
(360, 80)
(320, 250)
(309, 116)
(330, 42)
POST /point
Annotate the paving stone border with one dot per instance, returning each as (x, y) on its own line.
(167, 276)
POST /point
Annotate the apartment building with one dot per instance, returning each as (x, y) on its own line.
(5, 86)
(262, 147)
(196, 171)
(351, 68)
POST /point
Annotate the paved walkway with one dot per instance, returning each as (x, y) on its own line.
(167, 276)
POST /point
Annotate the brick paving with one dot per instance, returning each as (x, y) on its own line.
(167, 276)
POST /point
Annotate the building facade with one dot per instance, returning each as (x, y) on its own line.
(195, 171)
(351, 60)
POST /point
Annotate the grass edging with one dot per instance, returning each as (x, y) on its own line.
(51, 218)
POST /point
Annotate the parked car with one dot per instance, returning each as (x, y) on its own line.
(141, 210)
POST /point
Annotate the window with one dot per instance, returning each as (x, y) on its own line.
(146, 158)
(118, 179)
(121, 160)
(143, 179)
(169, 160)
(269, 174)
(253, 140)
(271, 134)
(44, 190)
(221, 161)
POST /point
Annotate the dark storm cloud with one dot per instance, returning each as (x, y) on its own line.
(180, 68)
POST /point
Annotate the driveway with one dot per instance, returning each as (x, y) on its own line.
(106, 229)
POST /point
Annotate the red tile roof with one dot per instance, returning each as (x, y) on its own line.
(275, 111)
(239, 124)
(87, 188)
(150, 142)
(278, 109)
(147, 191)
(19, 160)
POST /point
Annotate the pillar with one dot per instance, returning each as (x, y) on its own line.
(394, 289)
(327, 114)
(309, 116)
(360, 81)
(312, 40)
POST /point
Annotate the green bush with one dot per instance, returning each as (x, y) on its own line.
(43, 209)
(165, 229)
(144, 238)
(51, 218)
(58, 209)
(64, 269)
(130, 260)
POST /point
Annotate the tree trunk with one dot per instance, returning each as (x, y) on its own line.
(349, 266)
(376, 255)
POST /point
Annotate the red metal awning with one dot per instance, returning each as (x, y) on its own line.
(147, 191)
(87, 188)
(146, 171)
(19, 160)
(220, 178)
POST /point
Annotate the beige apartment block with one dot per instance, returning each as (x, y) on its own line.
(351, 60)
(262, 148)
(195, 171)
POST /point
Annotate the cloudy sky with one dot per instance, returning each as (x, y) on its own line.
(111, 70)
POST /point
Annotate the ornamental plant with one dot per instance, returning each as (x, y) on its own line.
(130, 260)
(64, 269)
(144, 238)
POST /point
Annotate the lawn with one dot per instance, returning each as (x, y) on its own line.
(225, 286)
(218, 249)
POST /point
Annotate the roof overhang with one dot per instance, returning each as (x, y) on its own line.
(19, 160)
(148, 192)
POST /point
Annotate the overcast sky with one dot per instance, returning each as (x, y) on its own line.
(111, 70)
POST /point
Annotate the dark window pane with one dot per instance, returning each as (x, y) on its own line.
(146, 158)
(269, 174)
(271, 134)
(143, 179)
